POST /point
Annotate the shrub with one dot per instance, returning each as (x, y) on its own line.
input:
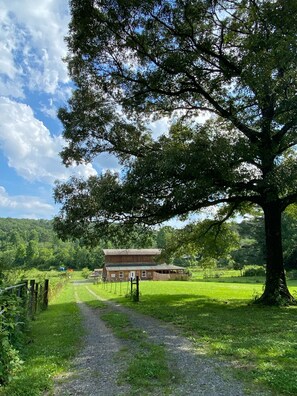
(10, 336)
(85, 273)
(255, 271)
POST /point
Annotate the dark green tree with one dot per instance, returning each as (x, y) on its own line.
(252, 242)
(233, 60)
(202, 240)
(32, 251)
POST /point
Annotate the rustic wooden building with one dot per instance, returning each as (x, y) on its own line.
(124, 264)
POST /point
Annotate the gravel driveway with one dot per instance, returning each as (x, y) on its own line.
(96, 369)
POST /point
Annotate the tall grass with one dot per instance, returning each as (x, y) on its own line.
(53, 338)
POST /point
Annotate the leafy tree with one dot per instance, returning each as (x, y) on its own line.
(20, 255)
(165, 234)
(202, 240)
(289, 229)
(252, 243)
(233, 60)
(15, 238)
(32, 250)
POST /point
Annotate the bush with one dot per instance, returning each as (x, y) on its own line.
(255, 271)
(10, 336)
(85, 273)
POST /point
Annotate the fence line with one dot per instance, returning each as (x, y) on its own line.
(132, 287)
(11, 287)
(33, 298)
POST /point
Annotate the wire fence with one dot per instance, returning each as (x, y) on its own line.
(128, 288)
(31, 295)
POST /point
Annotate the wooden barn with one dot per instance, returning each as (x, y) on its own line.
(124, 264)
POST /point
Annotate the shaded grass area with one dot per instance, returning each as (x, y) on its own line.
(260, 341)
(148, 369)
(225, 275)
(53, 339)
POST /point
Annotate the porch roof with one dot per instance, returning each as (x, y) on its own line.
(154, 267)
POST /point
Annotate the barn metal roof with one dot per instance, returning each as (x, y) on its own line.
(131, 267)
(128, 252)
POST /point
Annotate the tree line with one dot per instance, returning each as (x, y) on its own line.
(26, 243)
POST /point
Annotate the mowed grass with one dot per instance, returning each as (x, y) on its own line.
(261, 342)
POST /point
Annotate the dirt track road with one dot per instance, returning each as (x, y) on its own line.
(96, 369)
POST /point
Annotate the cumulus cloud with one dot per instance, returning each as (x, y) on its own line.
(24, 206)
(159, 127)
(32, 44)
(30, 148)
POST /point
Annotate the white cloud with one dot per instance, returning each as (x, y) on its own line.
(24, 206)
(159, 127)
(12, 88)
(7, 46)
(49, 109)
(29, 147)
(32, 43)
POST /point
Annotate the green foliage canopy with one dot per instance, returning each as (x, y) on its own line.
(232, 59)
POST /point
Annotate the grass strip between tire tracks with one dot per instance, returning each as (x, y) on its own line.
(148, 369)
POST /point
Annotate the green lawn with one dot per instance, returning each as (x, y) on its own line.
(218, 317)
(260, 342)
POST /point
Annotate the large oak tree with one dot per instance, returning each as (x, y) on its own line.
(233, 60)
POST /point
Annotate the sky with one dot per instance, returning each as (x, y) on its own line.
(34, 84)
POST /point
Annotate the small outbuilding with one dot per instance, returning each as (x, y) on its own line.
(126, 264)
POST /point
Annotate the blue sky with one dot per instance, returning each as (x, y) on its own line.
(34, 83)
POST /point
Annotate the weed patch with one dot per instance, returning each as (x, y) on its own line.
(54, 338)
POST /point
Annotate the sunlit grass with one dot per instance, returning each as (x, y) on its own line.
(259, 341)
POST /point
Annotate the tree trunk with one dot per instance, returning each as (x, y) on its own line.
(276, 291)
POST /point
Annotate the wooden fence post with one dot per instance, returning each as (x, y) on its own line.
(45, 294)
(137, 288)
(36, 297)
(31, 299)
(135, 296)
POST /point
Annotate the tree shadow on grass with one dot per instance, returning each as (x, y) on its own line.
(260, 340)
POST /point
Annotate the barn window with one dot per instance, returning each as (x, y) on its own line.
(121, 275)
(143, 274)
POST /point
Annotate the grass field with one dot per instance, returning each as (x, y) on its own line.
(260, 342)
(217, 315)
